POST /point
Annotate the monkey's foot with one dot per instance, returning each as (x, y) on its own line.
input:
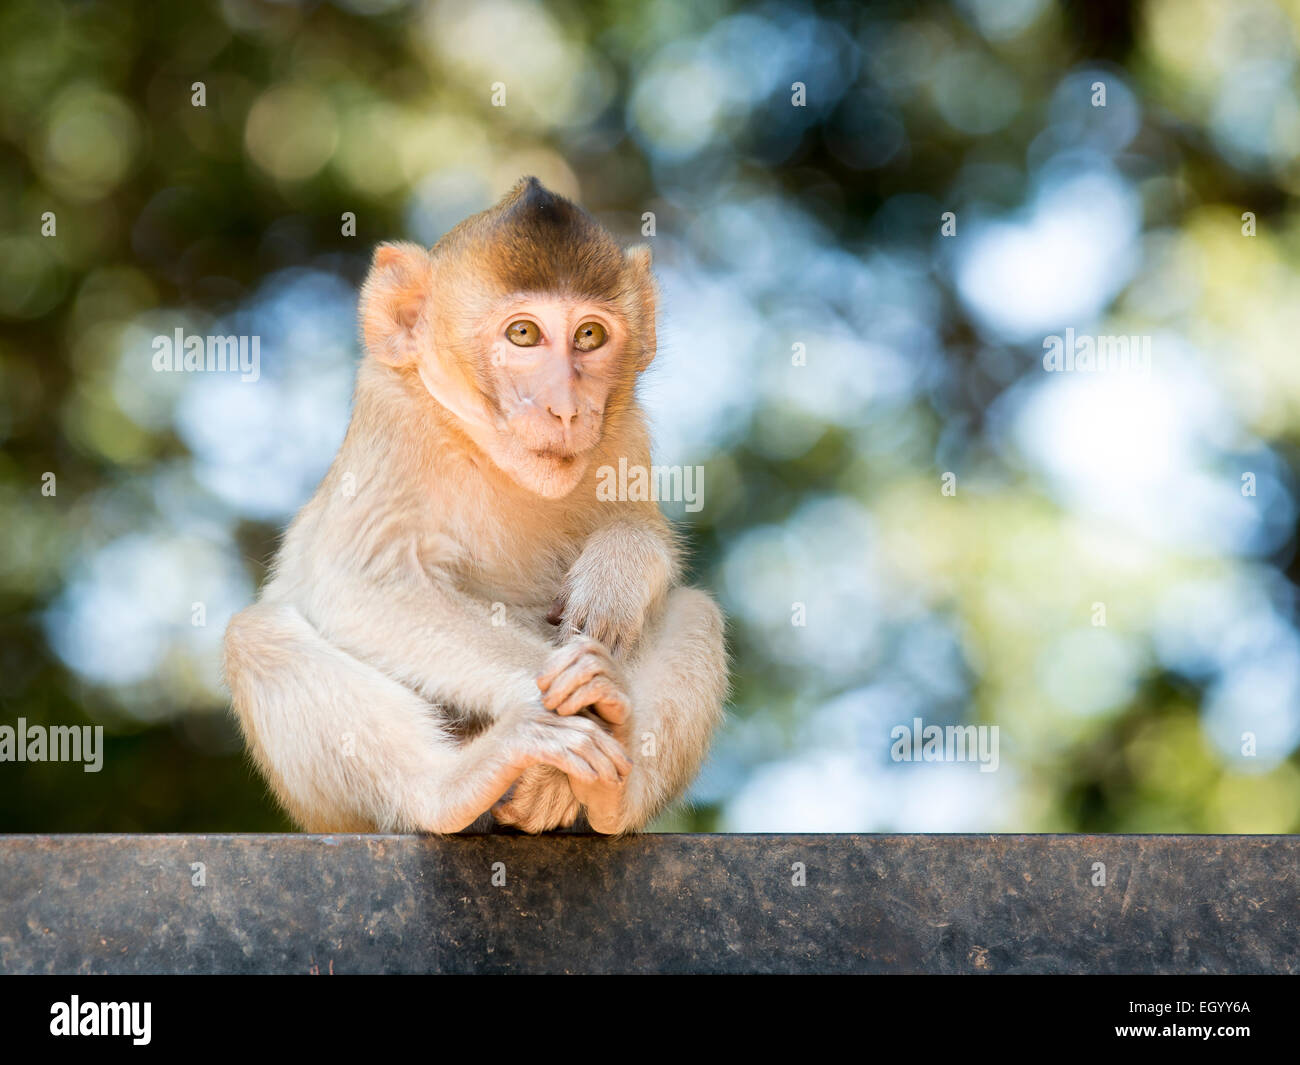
(539, 801)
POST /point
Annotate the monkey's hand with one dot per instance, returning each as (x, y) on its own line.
(578, 747)
(582, 678)
(623, 571)
(583, 674)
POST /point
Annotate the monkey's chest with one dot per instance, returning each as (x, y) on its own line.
(525, 601)
(523, 579)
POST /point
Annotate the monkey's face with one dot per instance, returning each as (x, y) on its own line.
(527, 323)
(552, 365)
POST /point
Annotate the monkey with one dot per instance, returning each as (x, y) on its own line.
(456, 634)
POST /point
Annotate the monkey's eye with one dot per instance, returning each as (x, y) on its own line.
(589, 336)
(523, 333)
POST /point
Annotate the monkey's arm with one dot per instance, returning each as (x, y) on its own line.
(435, 639)
(620, 579)
(663, 706)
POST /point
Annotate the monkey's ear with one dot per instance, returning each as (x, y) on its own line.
(638, 262)
(392, 301)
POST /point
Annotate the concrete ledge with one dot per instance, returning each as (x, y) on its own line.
(661, 903)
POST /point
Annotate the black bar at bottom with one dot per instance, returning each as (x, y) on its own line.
(1221, 1017)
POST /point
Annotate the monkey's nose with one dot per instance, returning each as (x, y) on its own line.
(565, 411)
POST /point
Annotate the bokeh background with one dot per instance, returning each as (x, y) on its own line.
(775, 225)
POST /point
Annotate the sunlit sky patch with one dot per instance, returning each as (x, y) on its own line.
(1150, 449)
(1056, 264)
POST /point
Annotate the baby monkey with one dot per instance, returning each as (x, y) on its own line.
(456, 629)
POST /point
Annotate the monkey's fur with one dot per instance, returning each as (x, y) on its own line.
(387, 679)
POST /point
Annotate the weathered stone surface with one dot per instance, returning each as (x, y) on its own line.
(664, 903)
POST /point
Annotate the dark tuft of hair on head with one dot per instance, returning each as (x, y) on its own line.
(534, 240)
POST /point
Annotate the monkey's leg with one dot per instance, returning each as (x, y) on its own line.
(675, 686)
(347, 748)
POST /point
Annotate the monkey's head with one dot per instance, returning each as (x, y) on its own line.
(527, 322)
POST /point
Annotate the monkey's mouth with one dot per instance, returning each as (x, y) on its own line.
(555, 454)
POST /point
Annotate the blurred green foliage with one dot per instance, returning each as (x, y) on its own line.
(170, 214)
